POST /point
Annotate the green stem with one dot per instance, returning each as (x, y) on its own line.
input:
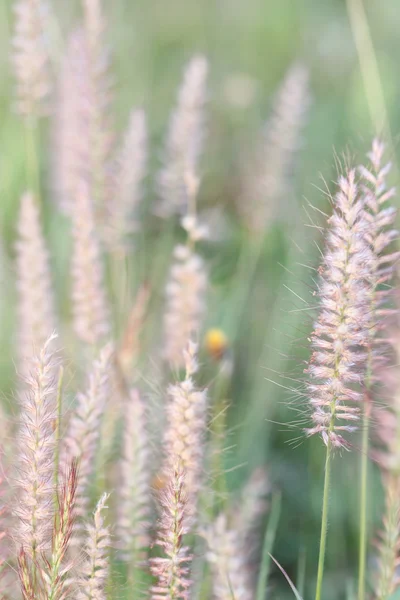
(363, 505)
(324, 522)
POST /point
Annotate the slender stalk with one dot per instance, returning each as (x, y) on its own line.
(324, 522)
(363, 505)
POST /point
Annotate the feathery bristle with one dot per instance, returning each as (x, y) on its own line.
(269, 181)
(36, 318)
(135, 489)
(185, 303)
(89, 303)
(184, 143)
(126, 181)
(96, 566)
(342, 330)
(172, 571)
(37, 447)
(30, 57)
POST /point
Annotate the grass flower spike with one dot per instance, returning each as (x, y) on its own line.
(341, 331)
(82, 437)
(185, 292)
(30, 57)
(96, 568)
(172, 571)
(185, 433)
(127, 178)
(90, 307)
(185, 139)
(37, 447)
(35, 295)
(134, 513)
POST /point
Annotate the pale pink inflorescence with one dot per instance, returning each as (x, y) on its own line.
(83, 130)
(341, 332)
(99, 101)
(89, 302)
(71, 156)
(82, 437)
(269, 181)
(233, 541)
(226, 555)
(30, 57)
(172, 571)
(95, 569)
(186, 289)
(126, 181)
(134, 507)
(37, 445)
(184, 143)
(380, 235)
(36, 315)
(185, 433)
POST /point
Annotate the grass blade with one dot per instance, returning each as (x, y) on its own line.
(290, 582)
(269, 540)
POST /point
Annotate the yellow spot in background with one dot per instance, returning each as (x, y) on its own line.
(216, 343)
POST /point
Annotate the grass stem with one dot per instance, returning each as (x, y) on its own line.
(324, 521)
(363, 505)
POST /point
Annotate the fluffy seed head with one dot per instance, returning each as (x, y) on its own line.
(30, 57)
(36, 317)
(135, 489)
(127, 177)
(226, 555)
(96, 566)
(83, 433)
(269, 181)
(89, 303)
(185, 140)
(171, 571)
(341, 332)
(185, 434)
(185, 292)
(34, 509)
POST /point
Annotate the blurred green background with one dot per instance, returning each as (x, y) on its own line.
(256, 39)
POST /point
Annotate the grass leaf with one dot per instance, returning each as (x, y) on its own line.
(290, 582)
(269, 540)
